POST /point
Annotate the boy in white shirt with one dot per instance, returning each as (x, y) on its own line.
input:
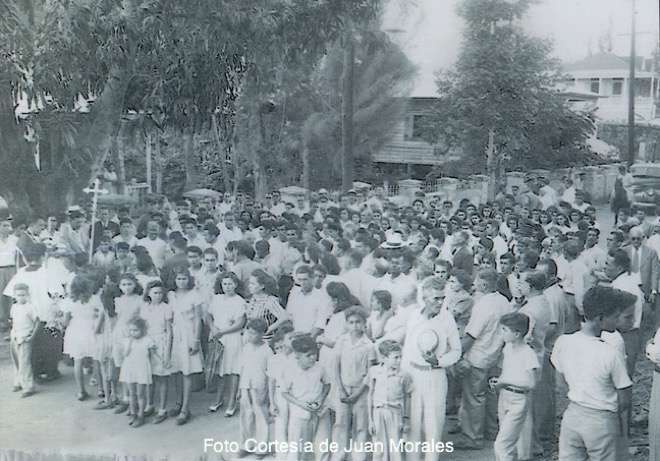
(520, 367)
(355, 353)
(24, 324)
(599, 388)
(306, 389)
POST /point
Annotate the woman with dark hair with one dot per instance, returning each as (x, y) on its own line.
(226, 317)
(263, 303)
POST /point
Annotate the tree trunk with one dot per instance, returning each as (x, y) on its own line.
(305, 175)
(222, 152)
(348, 82)
(260, 179)
(159, 165)
(188, 159)
(491, 166)
(106, 117)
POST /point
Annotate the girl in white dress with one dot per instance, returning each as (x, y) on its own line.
(186, 350)
(79, 311)
(103, 329)
(136, 351)
(158, 315)
(227, 318)
(127, 306)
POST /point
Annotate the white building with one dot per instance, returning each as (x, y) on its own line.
(607, 75)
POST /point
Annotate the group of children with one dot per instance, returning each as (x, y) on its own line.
(352, 319)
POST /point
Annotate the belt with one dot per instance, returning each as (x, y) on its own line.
(516, 390)
(388, 405)
(423, 367)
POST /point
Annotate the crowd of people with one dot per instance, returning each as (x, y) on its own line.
(348, 317)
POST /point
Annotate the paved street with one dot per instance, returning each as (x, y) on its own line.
(53, 420)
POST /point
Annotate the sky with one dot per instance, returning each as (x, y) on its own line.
(433, 30)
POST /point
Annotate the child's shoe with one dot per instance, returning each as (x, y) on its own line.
(28, 393)
(131, 420)
(149, 411)
(121, 407)
(16, 389)
(172, 412)
(183, 418)
(138, 421)
(160, 417)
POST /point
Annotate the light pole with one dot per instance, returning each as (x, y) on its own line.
(631, 90)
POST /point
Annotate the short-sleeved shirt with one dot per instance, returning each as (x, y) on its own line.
(8, 251)
(537, 309)
(308, 310)
(354, 357)
(278, 366)
(389, 387)
(517, 362)
(23, 319)
(448, 350)
(254, 362)
(483, 326)
(653, 349)
(305, 386)
(593, 370)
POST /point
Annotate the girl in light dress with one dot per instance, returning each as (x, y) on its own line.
(127, 306)
(227, 319)
(158, 314)
(136, 350)
(79, 341)
(186, 331)
(103, 331)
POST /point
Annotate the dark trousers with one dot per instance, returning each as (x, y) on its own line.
(46, 350)
(284, 285)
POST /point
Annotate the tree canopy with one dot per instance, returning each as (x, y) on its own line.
(505, 80)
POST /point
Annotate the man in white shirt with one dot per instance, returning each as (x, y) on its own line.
(157, 248)
(618, 271)
(278, 206)
(8, 264)
(599, 388)
(309, 308)
(482, 345)
(399, 285)
(593, 257)
(229, 231)
(426, 363)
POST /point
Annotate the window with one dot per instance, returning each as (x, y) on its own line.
(617, 87)
(419, 127)
(595, 86)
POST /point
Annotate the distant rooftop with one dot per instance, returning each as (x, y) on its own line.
(607, 61)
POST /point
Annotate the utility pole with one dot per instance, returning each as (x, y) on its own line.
(631, 91)
(348, 89)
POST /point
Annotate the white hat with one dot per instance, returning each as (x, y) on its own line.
(427, 341)
(393, 241)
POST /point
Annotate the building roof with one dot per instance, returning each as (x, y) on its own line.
(606, 61)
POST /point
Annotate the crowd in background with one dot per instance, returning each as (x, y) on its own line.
(349, 316)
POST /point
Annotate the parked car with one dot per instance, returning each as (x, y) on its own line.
(646, 186)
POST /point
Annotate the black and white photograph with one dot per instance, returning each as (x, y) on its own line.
(330, 230)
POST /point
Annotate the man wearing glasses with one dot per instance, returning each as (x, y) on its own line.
(427, 363)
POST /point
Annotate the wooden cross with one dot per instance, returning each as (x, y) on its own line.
(96, 191)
